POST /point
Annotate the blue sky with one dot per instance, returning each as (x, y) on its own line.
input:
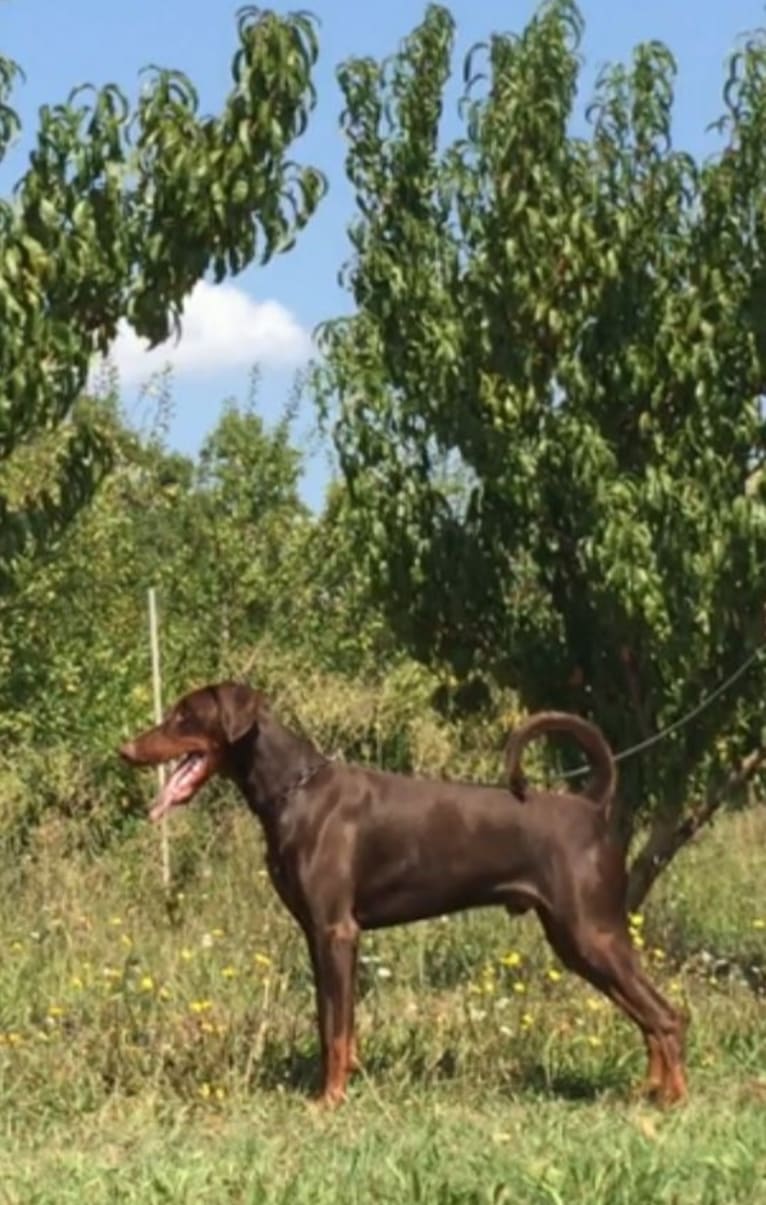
(272, 310)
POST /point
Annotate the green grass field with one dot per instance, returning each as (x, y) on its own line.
(154, 1053)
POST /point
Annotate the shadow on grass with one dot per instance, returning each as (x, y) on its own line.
(564, 1085)
(298, 1070)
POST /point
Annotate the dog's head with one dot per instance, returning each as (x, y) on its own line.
(199, 731)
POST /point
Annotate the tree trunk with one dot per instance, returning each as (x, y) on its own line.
(669, 834)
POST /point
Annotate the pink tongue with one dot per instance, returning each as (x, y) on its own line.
(174, 791)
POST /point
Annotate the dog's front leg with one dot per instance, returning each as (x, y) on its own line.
(334, 958)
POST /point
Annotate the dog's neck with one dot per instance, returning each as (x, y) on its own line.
(271, 763)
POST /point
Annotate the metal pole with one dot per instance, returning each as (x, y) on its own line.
(157, 688)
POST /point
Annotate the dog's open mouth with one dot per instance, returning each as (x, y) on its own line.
(186, 779)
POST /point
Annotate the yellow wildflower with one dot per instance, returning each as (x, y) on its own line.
(512, 959)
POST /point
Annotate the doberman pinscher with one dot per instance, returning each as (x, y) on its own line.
(351, 848)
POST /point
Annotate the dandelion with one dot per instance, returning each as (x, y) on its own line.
(14, 1039)
(115, 921)
(218, 933)
(759, 923)
(164, 993)
(527, 1020)
(187, 954)
(147, 984)
(76, 982)
(229, 972)
(207, 941)
(204, 1091)
(219, 1093)
(512, 959)
(658, 955)
(554, 975)
(54, 1012)
(594, 1039)
(594, 1004)
(519, 987)
(200, 1006)
(635, 919)
(17, 946)
(126, 940)
(262, 960)
(110, 973)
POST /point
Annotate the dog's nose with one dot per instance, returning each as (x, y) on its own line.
(128, 751)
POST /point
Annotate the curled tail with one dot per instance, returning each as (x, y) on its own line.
(603, 782)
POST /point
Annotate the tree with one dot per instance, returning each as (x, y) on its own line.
(118, 216)
(205, 533)
(546, 403)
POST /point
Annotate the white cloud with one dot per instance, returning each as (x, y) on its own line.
(221, 327)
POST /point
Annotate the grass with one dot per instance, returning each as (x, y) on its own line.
(164, 1050)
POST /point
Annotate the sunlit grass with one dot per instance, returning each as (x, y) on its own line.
(119, 1005)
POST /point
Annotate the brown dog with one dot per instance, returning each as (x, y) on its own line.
(350, 848)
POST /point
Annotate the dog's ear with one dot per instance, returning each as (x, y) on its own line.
(239, 709)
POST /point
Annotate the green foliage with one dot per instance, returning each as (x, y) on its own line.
(546, 403)
(75, 649)
(248, 582)
(118, 216)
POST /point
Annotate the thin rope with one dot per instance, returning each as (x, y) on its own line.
(677, 724)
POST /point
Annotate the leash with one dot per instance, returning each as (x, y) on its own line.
(303, 779)
(682, 722)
